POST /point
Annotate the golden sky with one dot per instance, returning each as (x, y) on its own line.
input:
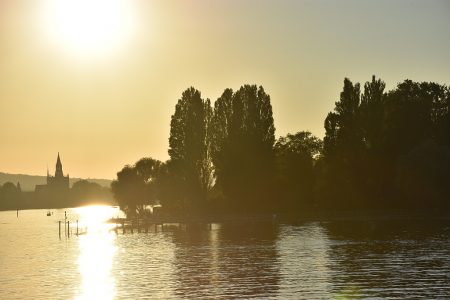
(97, 80)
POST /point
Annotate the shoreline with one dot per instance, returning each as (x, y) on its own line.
(316, 216)
(305, 216)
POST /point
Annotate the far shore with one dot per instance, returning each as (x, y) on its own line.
(59, 207)
(305, 216)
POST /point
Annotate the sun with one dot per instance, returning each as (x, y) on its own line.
(88, 28)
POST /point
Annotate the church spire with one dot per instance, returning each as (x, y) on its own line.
(58, 171)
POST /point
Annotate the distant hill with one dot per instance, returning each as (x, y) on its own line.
(28, 182)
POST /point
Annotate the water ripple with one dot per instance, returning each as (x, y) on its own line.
(394, 260)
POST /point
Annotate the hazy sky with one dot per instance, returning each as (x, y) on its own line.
(103, 96)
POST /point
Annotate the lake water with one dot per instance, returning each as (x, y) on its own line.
(235, 260)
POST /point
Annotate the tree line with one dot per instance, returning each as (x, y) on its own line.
(381, 150)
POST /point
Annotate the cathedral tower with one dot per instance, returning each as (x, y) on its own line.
(59, 181)
(58, 170)
(58, 185)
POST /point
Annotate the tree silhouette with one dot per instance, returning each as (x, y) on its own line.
(372, 114)
(135, 186)
(367, 145)
(343, 145)
(373, 164)
(10, 196)
(295, 177)
(381, 150)
(189, 149)
(84, 191)
(243, 138)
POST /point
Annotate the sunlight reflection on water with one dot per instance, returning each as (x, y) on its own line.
(94, 217)
(97, 251)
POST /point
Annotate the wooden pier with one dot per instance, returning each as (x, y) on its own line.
(147, 225)
(68, 230)
(124, 225)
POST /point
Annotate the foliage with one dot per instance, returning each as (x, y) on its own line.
(295, 180)
(135, 188)
(10, 196)
(343, 145)
(381, 149)
(368, 147)
(189, 150)
(424, 173)
(84, 192)
(243, 137)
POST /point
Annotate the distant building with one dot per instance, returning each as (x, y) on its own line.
(57, 183)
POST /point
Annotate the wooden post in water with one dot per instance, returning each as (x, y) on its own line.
(68, 228)
(77, 227)
(59, 227)
(123, 226)
(132, 226)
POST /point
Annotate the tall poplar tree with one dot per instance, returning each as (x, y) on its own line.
(242, 143)
(189, 150)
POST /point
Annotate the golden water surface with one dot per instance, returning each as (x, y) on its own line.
(233, 260)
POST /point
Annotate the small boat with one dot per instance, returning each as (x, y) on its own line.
(49, 214)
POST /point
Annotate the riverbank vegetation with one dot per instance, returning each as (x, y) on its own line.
(381, 150)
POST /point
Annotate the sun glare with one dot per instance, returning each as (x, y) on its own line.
(94, 217)
(89, 28)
